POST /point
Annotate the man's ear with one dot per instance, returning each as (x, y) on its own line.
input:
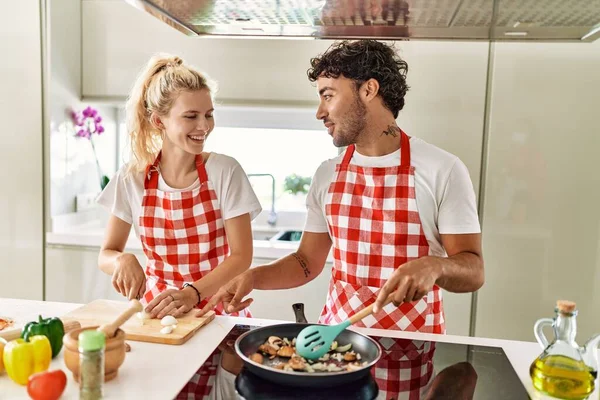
(369, 89)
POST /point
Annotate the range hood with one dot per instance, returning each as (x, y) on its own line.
(499, 20)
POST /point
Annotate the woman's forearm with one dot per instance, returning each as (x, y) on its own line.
(231, 267)
(107, 260)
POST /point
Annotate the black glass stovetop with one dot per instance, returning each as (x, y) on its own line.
(445, 371)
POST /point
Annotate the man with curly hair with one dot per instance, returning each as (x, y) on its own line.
(400, 213)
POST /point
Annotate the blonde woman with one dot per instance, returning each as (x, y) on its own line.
(191, 209)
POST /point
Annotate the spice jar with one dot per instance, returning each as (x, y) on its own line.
(91, 364)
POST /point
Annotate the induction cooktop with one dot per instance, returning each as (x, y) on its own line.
(408, 370)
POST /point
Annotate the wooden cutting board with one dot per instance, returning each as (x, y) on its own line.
(100, 312)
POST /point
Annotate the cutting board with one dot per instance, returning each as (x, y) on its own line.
(100, 312)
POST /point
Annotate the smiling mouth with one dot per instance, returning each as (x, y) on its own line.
(197, 138)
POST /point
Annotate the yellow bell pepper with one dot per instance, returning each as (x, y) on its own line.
(23, 359)
(2, 344)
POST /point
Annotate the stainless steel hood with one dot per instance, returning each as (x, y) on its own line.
(522, 20)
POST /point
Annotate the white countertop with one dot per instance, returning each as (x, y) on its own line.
(93, 239)
(175, 366)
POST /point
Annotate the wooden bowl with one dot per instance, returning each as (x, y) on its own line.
(114, 353)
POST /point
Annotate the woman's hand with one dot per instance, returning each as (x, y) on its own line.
(172, 302)
(128, 276)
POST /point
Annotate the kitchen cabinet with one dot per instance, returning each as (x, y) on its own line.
(541, 217)
(277, 304)
(72, 275)
(21, 113)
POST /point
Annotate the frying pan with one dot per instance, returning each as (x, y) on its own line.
(248, 343)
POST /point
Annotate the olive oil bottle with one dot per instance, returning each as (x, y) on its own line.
(564, 370)
(562, 377)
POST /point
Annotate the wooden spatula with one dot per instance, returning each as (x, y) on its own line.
(314, 341)
(110, 329)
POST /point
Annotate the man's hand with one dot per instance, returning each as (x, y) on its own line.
(411, 281)
(232, 294)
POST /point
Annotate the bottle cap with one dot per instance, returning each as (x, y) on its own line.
(91, 340)
(565, 306)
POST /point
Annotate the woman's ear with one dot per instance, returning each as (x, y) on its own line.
(156, 122)
(370, 89)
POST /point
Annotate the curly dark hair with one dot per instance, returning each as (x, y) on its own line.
(362, 60)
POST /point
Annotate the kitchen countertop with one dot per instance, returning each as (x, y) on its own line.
(86, 230)
(175, 365)
(93, 239)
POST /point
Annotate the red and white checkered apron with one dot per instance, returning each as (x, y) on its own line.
(375, 227)
(183, 235)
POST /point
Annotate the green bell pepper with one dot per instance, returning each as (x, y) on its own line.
(52, 328)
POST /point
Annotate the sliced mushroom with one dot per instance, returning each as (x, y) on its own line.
(280, 366)
(358, 356)
(275, 342)
(267, 349)
(297, 364)
(256, 357)
(350, 356)
(285, 351)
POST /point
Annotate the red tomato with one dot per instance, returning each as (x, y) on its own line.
(47, 385)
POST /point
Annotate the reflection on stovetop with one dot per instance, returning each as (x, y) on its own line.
(251, 387)
(407, 370)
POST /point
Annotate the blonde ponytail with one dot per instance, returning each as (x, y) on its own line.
(154, 91)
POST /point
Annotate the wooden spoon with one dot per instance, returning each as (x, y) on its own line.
(315, 340)
(110, 329)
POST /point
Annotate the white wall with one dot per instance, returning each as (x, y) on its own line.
(21, 196)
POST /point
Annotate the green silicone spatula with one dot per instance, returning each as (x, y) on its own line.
(315, 340)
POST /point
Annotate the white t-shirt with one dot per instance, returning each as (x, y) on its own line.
(124, 193)
(444, 191)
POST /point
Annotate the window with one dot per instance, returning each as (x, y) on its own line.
(279, 142)
(279, 152)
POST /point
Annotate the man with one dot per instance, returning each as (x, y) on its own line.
(400, 213)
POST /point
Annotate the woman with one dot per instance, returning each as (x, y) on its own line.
(191, 209)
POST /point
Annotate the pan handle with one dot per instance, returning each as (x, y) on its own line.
(299, 312)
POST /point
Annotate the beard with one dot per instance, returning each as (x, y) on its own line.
(352, 125)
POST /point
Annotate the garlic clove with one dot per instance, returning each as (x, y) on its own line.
(166, 330)
(143, 315)
(168, 320)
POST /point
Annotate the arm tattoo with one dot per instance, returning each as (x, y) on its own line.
(302, 264)
(391, 131)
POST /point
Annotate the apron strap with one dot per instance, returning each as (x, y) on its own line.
(202, 175)
(151, 177)
(404, 151)
(348, 155)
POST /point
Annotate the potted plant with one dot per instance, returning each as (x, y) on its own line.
(296, 184)
(88, 123)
